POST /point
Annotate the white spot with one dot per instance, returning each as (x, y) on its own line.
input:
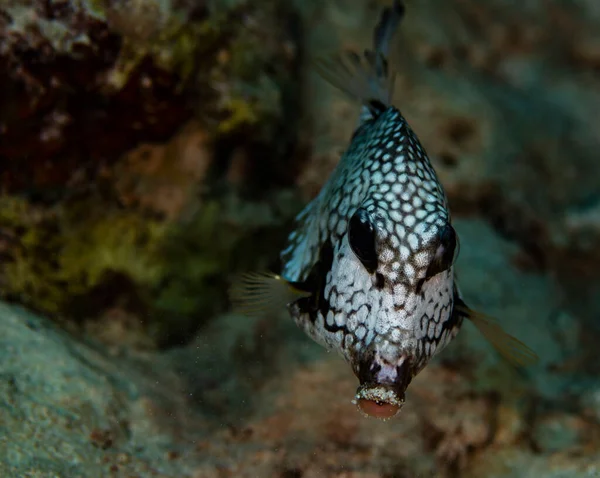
(409, 221)
(358, 299)
(377, 177)
(360, 332)
(399, 290)
(411, 303)
(349, 340)
(330, 318)
(386, 166)
(386, 256)
(409, 270)
(403, 178)
(401, 320)
(407, 207)
(420, 228)
(431, 331)
(431, 218)
(356, 194)
(351, 323)
(404, 252)
(413, 241)
(422, 259)
(400, 231)
(421, 213)
(339, 318)
(332, 222)
(382, 326)
(344, 205)
(361, 317)
(396, 335)
(327, 289)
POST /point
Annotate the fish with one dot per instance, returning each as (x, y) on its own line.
(369, 269)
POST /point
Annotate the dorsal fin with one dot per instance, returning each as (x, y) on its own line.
(366, 77)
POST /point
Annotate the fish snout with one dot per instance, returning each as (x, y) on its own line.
(381, 393)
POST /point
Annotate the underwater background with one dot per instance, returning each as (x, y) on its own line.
(152, 150)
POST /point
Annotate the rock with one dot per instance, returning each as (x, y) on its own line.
(127, 126)
(558, 432)
(70, 410)
(252, 397)
(519, 462)
(527, 306)
(87, 82)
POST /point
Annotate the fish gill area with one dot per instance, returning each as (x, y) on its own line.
(151, 150)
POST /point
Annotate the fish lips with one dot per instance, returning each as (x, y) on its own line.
(381, 393)
(378, 401)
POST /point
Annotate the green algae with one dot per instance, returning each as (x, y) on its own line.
(69, 252)
(190, 50)
(178, 270)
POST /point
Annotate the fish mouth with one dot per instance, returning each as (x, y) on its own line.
(378, 401)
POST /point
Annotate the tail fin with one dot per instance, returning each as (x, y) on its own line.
(367, 78)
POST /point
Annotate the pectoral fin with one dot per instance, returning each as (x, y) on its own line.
(257, 294)
(511, 348)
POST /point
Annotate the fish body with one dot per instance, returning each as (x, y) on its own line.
(371, 261)
(384, 199)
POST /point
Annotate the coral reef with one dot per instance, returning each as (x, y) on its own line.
(151, 150)
(116, 131)
(87, 81)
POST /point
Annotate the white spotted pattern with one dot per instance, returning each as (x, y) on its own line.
(386, 174)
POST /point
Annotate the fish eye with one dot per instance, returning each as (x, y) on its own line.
(361, 236)
(445, 252)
